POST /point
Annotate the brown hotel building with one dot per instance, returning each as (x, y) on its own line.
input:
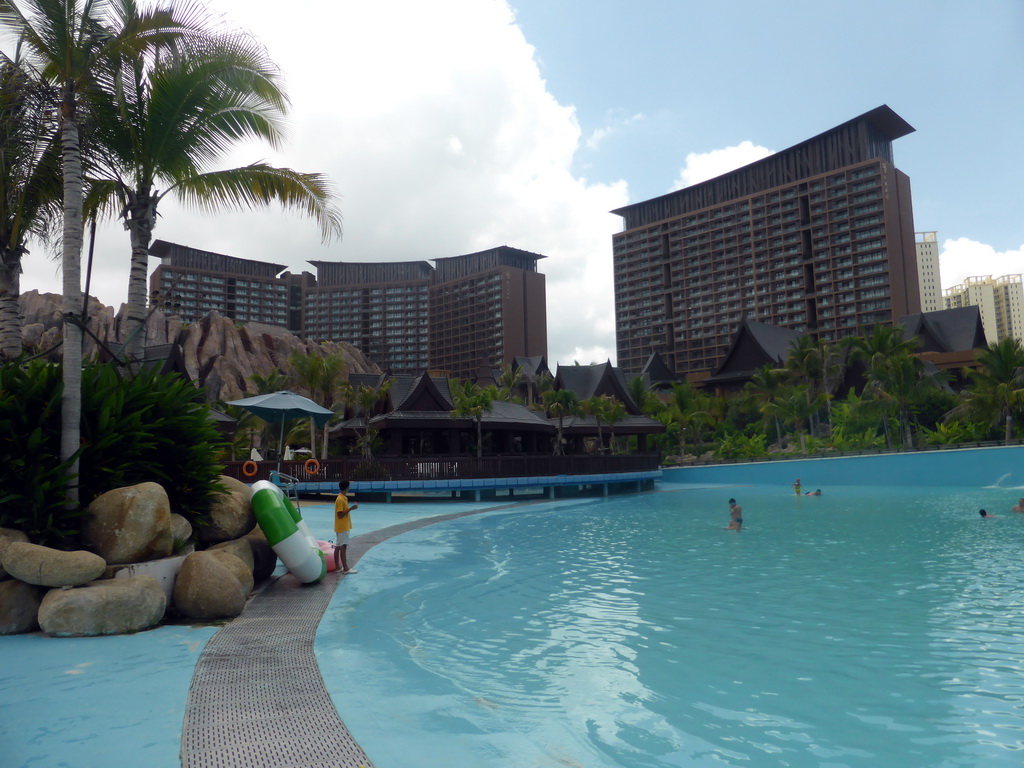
(478, 310)
(818, 238)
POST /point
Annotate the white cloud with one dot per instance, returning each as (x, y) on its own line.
(437, 128)
(701, 166)
(598, 135)
(962, 258)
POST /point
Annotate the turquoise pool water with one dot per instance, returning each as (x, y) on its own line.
(866, 627)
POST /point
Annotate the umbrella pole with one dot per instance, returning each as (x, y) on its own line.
(280, 448)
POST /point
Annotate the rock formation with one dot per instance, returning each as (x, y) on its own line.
(216, 352)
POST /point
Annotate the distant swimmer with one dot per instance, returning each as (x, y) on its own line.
(735, 517)
(797, 486)
(985, 515)
(813, 493)
(1020, 506)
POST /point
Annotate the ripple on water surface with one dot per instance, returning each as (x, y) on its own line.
(859, 628)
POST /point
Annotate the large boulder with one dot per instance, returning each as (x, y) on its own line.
(181, 531)
(19, 607)
(130, 525)
(106, 607)
(230, 516)
(8, 535)
(239, 548)
(46, 567)
(211, 586)
(264, 558)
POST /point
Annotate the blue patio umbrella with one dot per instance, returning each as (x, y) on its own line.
(279, 407)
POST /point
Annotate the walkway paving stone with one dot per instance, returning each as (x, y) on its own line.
(257, 698)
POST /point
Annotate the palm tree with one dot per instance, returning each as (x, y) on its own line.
(597, 406)
(616, 412)
(898, 381)
(364, 400)
(320, 377)
(793, 406)
(688, 410)
(560, 403)
(997, 390)
(69, 42)
(764, 385)
(168, 119)
(644, 397)
(508, 382)
(883, 342)
(29, 186)
(471, 401)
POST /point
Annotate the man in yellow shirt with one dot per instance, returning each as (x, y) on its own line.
(342, 526)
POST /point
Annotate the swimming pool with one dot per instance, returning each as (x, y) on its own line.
(866, 627)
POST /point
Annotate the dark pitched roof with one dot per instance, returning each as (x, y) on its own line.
(947, 330)
(420, 393)
(754, 345)
(656, 371)
(532, 366)
(598, 379)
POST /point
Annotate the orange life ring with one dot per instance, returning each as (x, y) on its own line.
(250, 468)
(312, 466)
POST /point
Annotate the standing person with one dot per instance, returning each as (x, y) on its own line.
(342, 526)
(797, 486)
(1019, 507)
(735, 517)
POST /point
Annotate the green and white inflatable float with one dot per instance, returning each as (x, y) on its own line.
(287, 532)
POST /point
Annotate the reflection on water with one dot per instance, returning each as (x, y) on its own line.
(860, 628)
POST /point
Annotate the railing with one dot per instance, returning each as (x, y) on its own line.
(449, 467)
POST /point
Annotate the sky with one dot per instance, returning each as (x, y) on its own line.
(453, 126)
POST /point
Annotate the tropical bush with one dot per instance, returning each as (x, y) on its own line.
(33, 481)
(145, 427)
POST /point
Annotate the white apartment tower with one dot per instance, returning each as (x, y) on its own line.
(927, 245)
(1001, 302)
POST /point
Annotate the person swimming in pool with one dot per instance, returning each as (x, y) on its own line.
(813, 493)
(735, 517)
(985, 515)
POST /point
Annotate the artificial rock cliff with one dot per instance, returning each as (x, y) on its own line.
(217, 352)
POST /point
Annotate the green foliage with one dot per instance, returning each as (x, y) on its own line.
(950, 432)
(149, 427)
(736, 445)
(33, 480)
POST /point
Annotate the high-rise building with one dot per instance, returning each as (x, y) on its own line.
(817, 238)
(1000, 301)
(191, 283)
(486, 308)
(381, 308)
(478, 310)
(928, 279)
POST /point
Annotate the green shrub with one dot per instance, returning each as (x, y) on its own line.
(33, 481)
(149, 427)
(146, 427)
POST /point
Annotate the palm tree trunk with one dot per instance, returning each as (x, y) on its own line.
(71, 400)
(142, 213)
(10, 310)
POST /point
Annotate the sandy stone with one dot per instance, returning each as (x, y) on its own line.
(230, 516)
(19, 607)
(130, 525)
(106, 607)
(8, 535)
(208, 587)
(46, 567)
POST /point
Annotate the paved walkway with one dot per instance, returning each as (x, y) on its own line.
(257, 698)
